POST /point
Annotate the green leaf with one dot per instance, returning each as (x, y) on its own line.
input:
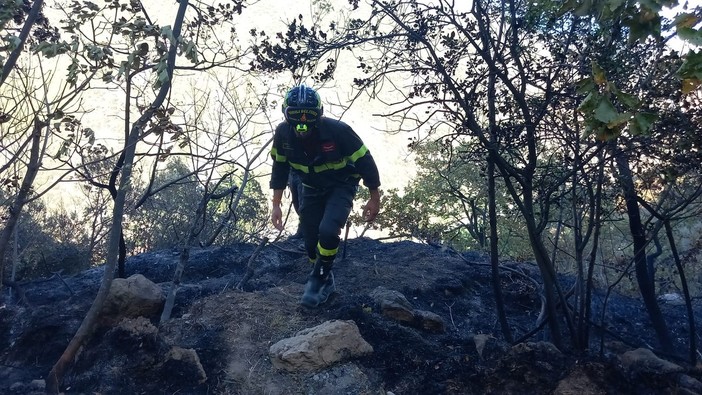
(107, 76)
(692, 66)
(90, 134)
(167, 32)
(63, 149)
(614, 4)
(626, 99)
(652, 5)
(567, 6)
(598, 74)
(590, 103)
(643, 23)
(642, 122)
(605, 111)
(163, 76)
(585, 85)
(584, 8)
(92, 6)
(190, 51)
(686, 20)
(690, 35)
(619, 120)
(14, 42)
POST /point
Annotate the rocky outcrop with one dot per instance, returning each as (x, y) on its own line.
(135, 296)
(319, 347)
(643, 361)
(395, 306)
(642, 365)
(186, 362)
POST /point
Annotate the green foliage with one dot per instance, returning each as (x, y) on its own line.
(446, 203)
(48, 241)
(643, 19)
(250, 218)
(602, 117)
(166, 218)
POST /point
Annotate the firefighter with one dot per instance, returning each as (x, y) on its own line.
(330, 160)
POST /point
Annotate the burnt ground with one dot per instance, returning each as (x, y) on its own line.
(231, 329)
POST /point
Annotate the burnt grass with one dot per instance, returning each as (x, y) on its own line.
(231, 329)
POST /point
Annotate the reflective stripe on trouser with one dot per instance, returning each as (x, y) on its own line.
(323, 214)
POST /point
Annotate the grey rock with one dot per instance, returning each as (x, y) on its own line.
(429, 321)
(393, 304)
(132, 297)
(643, 360)
(319, 347)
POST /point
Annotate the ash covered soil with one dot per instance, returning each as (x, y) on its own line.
(231, 330)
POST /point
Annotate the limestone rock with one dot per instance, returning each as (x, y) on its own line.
(690, 384)
(480, 341)
(644, 361)
(344, 378)
(132, 297)
(429, 321)
(186, 363)
(393, 304)
(318, 347)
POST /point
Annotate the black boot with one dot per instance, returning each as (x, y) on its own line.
(320, 285)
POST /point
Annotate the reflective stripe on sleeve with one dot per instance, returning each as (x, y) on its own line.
(277, 156)
(358, 154)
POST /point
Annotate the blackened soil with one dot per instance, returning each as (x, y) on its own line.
(231, 329)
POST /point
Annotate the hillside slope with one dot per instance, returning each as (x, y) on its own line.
(436, 333)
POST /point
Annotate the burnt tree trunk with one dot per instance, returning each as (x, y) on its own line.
(638, 235)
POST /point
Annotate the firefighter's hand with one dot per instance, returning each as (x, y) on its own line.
(277, 217)
(371, 209)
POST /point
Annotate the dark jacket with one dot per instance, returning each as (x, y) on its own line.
(333, 155)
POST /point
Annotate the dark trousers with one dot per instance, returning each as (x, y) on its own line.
(296, 190)
(324, 214)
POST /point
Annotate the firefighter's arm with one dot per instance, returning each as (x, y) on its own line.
(372, 208)
(276, 212)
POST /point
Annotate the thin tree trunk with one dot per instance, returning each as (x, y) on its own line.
(85, 330)
(185, 257)
(639, 240)
(24, 34)
(586, 307)
(686, 293)
(55, 376)
(175, 283)
(23, 193)
(250, 265)
(549, 278)
(494, 252)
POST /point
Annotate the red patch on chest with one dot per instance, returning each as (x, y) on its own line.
(328, 147)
